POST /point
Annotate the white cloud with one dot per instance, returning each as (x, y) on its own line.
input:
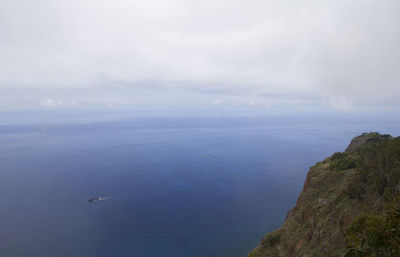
(341, 103)
(97, 49)
(56, 103)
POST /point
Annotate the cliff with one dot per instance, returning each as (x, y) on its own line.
(363, 180)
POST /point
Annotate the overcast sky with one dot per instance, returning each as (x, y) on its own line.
(300, 53)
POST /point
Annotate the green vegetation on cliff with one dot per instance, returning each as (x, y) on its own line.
(349, 205)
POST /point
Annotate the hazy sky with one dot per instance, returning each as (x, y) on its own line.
(300, 53)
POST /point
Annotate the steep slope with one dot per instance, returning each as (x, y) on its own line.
(363, 179)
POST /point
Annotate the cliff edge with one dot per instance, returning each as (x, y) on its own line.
(363, 180)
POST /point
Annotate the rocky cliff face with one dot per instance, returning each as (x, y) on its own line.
(366, 138)
(343, 186)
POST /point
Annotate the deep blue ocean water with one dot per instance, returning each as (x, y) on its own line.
(175, 186)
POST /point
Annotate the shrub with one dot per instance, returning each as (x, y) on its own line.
(272, 239)
(372, 235)
(342, 161)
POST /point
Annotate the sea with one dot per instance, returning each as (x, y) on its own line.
(174, 185)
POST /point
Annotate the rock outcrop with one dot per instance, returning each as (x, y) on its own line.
(343, 186)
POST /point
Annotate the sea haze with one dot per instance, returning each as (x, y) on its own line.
(175, 186)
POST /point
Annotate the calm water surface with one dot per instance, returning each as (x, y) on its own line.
(175, 186)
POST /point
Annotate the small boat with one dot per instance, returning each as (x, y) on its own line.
(96, 199)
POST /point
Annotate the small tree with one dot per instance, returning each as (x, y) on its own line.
(374, 236)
